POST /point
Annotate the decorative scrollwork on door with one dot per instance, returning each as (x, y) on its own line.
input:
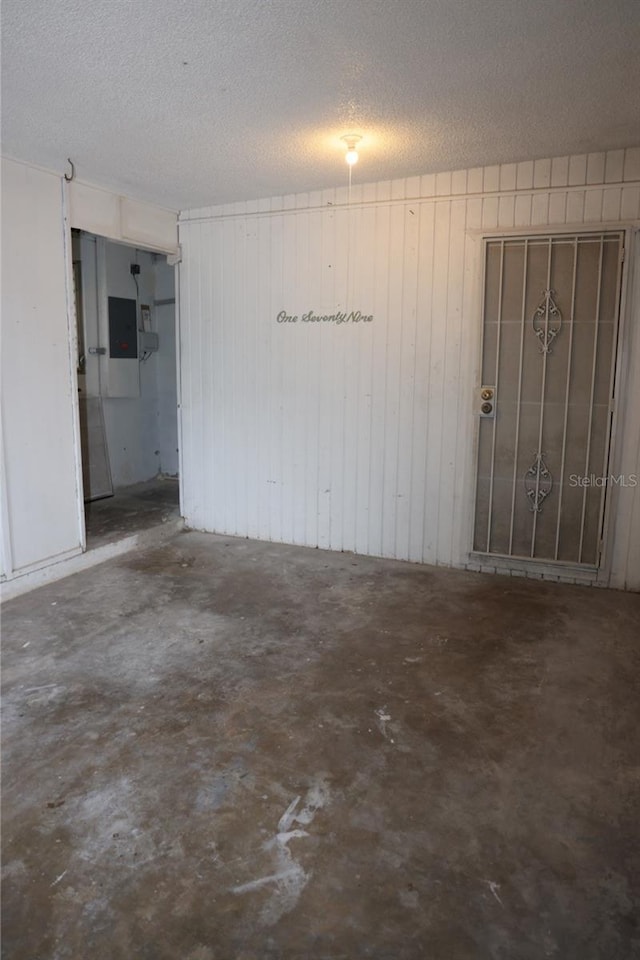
(538, 483)
(546, 321)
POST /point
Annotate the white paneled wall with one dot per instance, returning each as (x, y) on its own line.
(360, 436)
(41, 505)
(131, 422)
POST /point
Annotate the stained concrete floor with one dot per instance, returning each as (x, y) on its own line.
(228, 750)
(131, 510)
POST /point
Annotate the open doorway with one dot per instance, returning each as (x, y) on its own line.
(127, 387)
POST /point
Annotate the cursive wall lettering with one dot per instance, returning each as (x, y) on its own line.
(355, 316)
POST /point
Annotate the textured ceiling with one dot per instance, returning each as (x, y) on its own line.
(192, 102)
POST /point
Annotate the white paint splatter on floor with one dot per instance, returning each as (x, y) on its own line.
(382, 719)
(494, 887)
(289, 878)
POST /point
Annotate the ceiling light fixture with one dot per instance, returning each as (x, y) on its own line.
(351, 139)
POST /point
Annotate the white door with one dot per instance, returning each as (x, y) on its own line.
(96, 471)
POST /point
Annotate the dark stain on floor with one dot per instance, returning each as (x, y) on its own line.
(225, 749)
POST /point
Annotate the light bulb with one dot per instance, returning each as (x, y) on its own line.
(351, 140)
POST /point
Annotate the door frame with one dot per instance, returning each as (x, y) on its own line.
(81, 217)
(549, 569)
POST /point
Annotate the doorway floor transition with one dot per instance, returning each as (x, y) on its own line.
(219, 749)
(130, 510)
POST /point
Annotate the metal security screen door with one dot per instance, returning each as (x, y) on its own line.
(545, 404)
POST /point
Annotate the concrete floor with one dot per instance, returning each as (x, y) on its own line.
(228, 750)
(131, 510)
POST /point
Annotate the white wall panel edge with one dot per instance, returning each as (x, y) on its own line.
(624, 526)
(72, 327)
(40, 507)
(179, 386)
(472, 363)
(6, 548)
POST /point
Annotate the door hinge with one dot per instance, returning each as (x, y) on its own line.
(622, 253)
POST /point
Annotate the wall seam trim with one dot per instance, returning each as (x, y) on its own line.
(391, 202)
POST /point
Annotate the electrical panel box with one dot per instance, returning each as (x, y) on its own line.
(123, 329)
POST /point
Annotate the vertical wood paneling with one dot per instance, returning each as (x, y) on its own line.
(575, 206)
(522, 211)
(339, 349)
(300, 399)
(577, 170)
(406, 398)
(471, 324)
(593, 206)
(508, 173)
(422, 380)
(379, 399)
(428, 185)
(356, 437)
(560, 171)
(459, 182)
(261, 373)
(614, 166)
(611, 204)
(314, 384)
(475, 180)
(289, 395)
(326, 386)
(595, 167)
(631, 170)
(395, 334)
(435, 424)
(276, 399)
(557, 208)
(491, 179)
(451, 387)
(542, 173)
(506, 211)
(524, 175)
(365, 271)
(539, 209)
(490, 209)
(630, 203)
(251, 358)
(213, 488)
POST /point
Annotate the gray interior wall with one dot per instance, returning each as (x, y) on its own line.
(131, 423)
(141, 430)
